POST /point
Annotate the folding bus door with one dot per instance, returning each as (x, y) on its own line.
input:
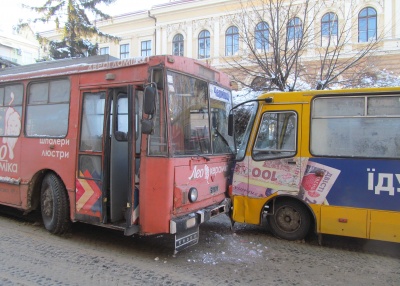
(119, 156)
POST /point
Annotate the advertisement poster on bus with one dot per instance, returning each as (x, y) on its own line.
(359, 183)
(299, 177)
(263, 178)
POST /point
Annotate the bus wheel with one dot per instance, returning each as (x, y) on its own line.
(290, 221)
(54, 205)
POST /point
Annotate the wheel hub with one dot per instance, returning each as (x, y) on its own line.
(288, 219)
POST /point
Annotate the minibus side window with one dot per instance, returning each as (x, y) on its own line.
(358, 126)
(276, 137)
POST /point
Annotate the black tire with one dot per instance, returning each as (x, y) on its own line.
(290, 221)
(54, 205)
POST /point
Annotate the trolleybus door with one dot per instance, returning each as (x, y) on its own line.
(104, 182)
(121, 150)
(90, 200)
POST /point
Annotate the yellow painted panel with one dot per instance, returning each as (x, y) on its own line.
(247, 210)
(385, 225)
(254, 208)
(344, 221)
(317, 213)
(238, 208)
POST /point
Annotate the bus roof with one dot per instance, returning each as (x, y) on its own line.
(105, 62)
(55, 64)
(279, 96)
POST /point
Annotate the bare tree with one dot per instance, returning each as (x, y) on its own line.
(334, 59)
(285, 39)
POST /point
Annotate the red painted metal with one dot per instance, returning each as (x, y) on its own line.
(164, 181)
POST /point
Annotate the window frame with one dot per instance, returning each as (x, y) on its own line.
(332, 29)
(87, 114)
(261, 37)
(368, 17)
(178, 47)
(145, 48)
(48, 102)
(278, 153)
(11, 108)
(231, 41)
(294, 29)
(353, 115)
(124, 51)
(204, 40)
(106, 49)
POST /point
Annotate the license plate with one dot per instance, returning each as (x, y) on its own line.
(213, 189)
(186, 238)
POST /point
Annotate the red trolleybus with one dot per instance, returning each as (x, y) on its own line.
(138, 145)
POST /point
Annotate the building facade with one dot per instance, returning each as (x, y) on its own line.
(207, 30)
(18, 49)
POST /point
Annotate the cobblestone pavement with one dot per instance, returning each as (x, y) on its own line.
(248, 256)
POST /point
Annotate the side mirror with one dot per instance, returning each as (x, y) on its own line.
(149, 101)
(147, 126)
(230, 124)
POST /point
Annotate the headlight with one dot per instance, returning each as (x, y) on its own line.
(193, 195)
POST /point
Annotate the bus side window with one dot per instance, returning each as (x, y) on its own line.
(92, 122)
(50, 98)
(10, 111)
(361, 126)
(121, 126)
(276, 136)
(158, 139)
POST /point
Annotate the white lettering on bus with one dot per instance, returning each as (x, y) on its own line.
(3, 152)
(8, 167)
(385, 182)
(118, 64)
(58, 142)
(55, 154)
(207, 171)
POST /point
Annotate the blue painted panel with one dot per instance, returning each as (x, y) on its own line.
(364, 183)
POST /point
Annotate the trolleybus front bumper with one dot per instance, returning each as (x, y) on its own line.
(186, 228)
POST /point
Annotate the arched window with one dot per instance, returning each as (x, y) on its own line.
(367, 25)
(177, 45)
(262, 36)
(329, 29)
(204, 44)
(294, 30)
(231, 41)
